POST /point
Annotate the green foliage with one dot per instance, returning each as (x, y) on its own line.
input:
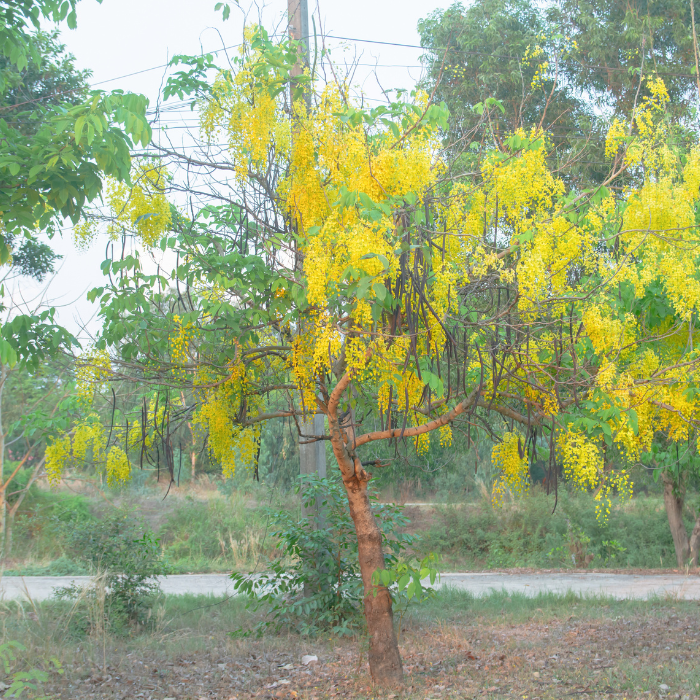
(568, 65)
(53, 156)
(405, 579)
(680, 463)
(316, 585)
(18, 16)
(476, 62)
(29, 681)
(617, 39)
(129, 555)
(39, 530)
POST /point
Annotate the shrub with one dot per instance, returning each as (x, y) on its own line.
(316, 584)
(527, 534)
(129, 557)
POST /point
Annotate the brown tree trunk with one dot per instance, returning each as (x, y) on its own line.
(384, 657)
(695, 543)
(674, 497)
(16, 505)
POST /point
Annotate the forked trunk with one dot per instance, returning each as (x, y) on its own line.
(674, 497)
(384, 658)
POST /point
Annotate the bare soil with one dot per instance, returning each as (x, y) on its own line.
(653, 655)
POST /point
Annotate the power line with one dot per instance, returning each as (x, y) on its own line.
(493, 55)
(372, 65)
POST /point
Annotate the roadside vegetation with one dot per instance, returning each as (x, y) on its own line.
(210, 525)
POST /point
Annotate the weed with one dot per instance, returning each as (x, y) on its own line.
(130, 558)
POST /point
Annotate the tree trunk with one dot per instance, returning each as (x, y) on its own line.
(3, 483)
(384, 658)
(16, 505)
(695, 543)
(3, 515)
(674, 497)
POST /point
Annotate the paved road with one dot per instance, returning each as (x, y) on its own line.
(615, 585)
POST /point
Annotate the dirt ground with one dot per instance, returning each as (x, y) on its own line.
(654, 655)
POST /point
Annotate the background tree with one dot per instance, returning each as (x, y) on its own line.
(569, 67)
(56, 144)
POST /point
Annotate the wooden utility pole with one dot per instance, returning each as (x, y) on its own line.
(312, 456)
(298, 11)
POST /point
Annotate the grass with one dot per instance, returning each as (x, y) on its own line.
(527, 534)
(455, 646)
(203, 529)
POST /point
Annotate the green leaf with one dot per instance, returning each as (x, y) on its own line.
(379, 291)
(79, 124)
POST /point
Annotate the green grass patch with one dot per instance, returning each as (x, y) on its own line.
(527, 534)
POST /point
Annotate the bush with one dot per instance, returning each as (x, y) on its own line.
(37, 531)
(30, 680)
(129, 557)
(316, 584)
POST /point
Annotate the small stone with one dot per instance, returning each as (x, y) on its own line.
(309, 659)
(535, 674)
(663, 688)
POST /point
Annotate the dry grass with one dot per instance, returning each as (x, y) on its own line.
(455, 647)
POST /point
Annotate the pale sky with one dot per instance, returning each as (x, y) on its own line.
(122, 37)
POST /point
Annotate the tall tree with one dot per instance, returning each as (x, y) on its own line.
(621, 42)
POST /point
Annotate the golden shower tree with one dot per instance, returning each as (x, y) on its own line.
(340, 267)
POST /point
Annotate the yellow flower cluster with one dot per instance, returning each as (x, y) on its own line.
(582, 459)
(93, 367)
(584, 467)
(180, 342)
(229, 444)
(242, 107)
(141, 208)
(513, 469)
(87, 443)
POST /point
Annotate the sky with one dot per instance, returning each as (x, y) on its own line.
(126, 44)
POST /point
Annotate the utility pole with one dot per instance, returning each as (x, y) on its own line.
(312, 456)
(298, 11)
